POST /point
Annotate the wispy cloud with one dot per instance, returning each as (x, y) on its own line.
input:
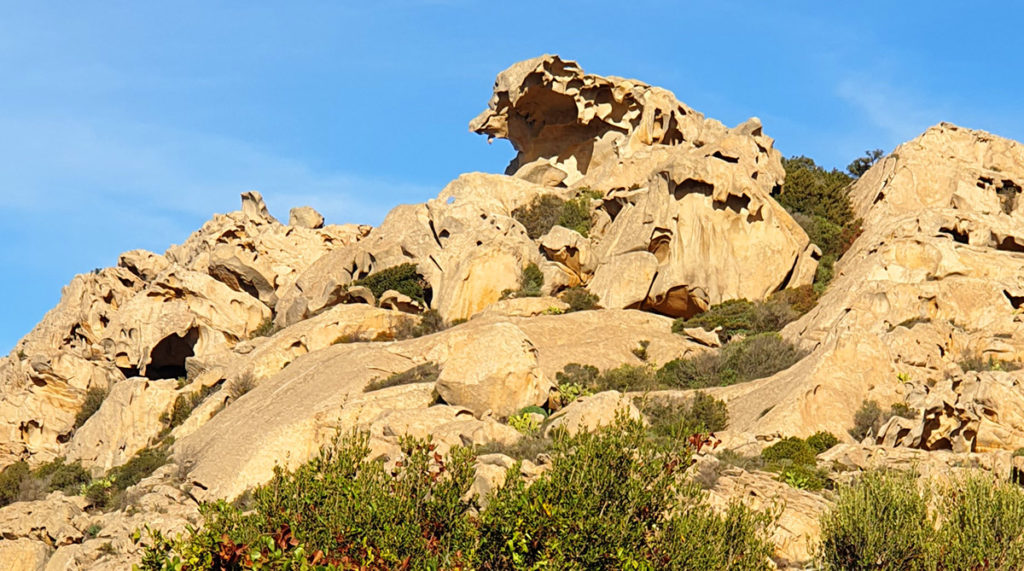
(894, 110)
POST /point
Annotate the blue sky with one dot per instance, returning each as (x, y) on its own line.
(127, 125)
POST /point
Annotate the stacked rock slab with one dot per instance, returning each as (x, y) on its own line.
(934, 280)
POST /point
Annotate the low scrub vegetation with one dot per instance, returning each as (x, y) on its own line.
(404, 279)
(794, 459)
(870, 418)
(530, 282)
(753, 357)
(890, 520)
(425, 373)
(547, 211)
(979, 363)
(266, 328)
(611, 500)
(185, 404)
(94, 398)
(579, 299)
(678, 421)
(742, 317)
(18, 482)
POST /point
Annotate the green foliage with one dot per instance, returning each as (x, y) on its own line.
(982, 524)
(640, 351)
(812, 190)
(430, 322)
(354, 512)
(94, 398)
(742, 317)
(860, 165)
(610, 500)
(530, 282)
(978, 363)
(1018, 452)
(626, 378)
(575, 381)
(880, 522)
(575, 215)
(678, 421)
(883, 521)
(540, 215)
(792, 450)
(57, 475)
(10, 482)
(579, 299)
(529, 447)
(804, 477)
(404, 279)
(425, 373)
(185, 404)
(870, 418)
(266, 328)
(752, 358)
(614, 500)
(525, 423)
(547, 211)
(821, 441)
(93, 530)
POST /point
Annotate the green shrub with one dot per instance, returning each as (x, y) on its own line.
(342, 509)
(185, 404)
(901, 409)
(742, 317)
(425, 373)
(57, 475)
(789, 451)
(804, 477)
(754, 357)
(10, 482)
(613, 500)
(404, 279)
(529, 447)
(678, 421)
(575, 215)
(574, 373)
(815, 191)
(880, 522)
(430, 322)
(640, 351)
(822, 441)
(860, 165)
(266, 328)
(540, 215)
(979, 363)
(867, 419)
(530, 282)
(982, 524)
(94, 398)
(524, 423)
(626, 378)
(579, 299)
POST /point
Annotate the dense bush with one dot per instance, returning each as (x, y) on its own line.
(880, 522)
(702, 414)
(540, 215)
(812, 190)
(530, 282)
(742, 317)
(887, 520)
(976, 362)
(425, 373)
(547, 211)
(94, 398)
(752, 358)
(611, 500)
(614, 500)
(794, 450)
(860, 165)
(794, 459)
(185, 404)
(10, 482)
(579, 299)
(404, 279)
(822, 441)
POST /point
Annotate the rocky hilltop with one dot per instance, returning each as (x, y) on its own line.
(253, 343)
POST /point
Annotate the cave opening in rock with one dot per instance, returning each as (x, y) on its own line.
(167, 359)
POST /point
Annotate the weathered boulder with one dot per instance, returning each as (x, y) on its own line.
(56, 521)
(305, 217)
(492, 369)
(128, 420)
(23, 554)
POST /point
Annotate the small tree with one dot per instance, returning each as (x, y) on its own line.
(860, 165)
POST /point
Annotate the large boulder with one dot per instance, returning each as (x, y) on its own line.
(493, 369)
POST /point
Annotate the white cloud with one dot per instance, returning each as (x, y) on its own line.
(896, 111)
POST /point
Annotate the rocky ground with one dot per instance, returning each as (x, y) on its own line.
(262, 329)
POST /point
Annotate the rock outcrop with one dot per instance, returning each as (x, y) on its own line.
(933, 280)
